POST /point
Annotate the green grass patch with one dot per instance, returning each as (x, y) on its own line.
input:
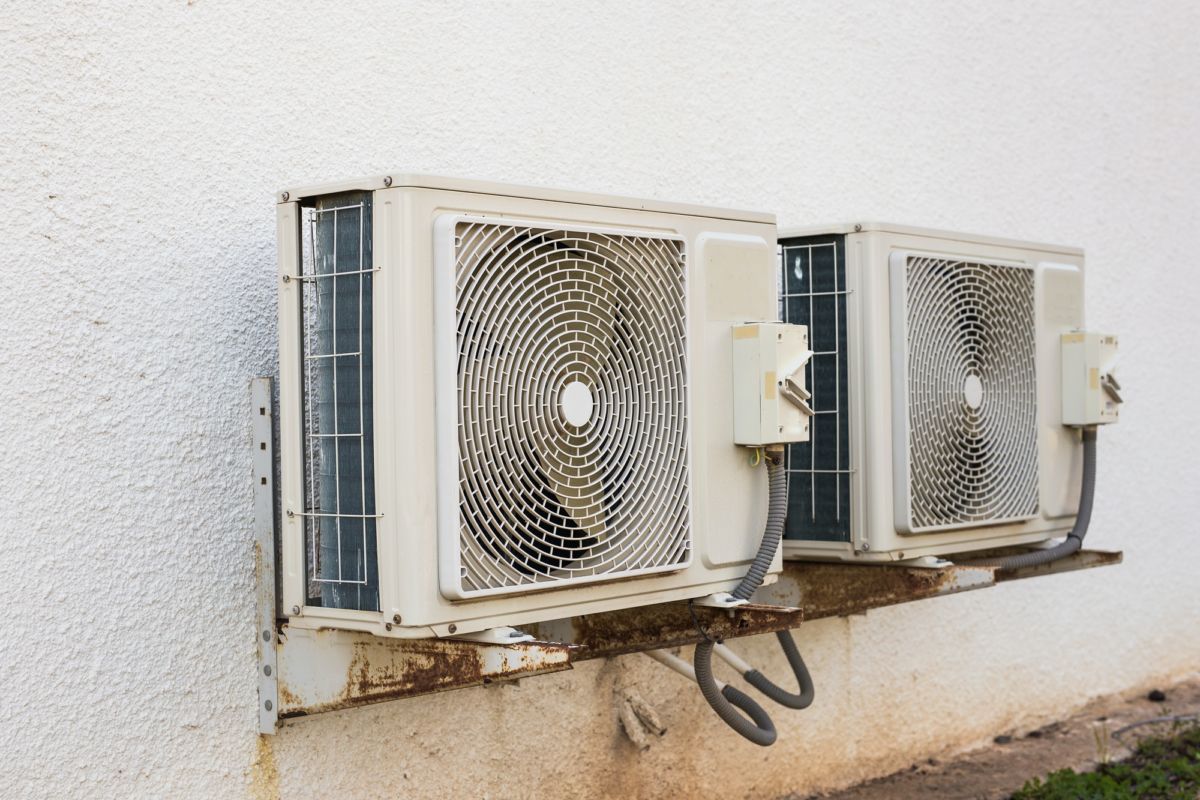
(1161, 768)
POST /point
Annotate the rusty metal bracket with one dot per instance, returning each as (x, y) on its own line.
(325, 670)
(667, 625)
(837, 589)
(1083, 559)
(262, 444)
(303, 671)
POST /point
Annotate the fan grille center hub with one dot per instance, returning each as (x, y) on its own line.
(576, 403)
(973, 392)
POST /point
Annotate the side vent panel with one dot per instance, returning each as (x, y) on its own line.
(812, 292)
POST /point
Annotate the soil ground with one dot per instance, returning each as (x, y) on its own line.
(996, 771)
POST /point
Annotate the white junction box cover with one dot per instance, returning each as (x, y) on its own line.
(770, 399)
(504, 404)
(1091, 391)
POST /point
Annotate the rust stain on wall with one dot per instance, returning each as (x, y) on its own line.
(264, 773)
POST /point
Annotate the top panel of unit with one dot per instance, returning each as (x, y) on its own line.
(400, 180)
(929, 233)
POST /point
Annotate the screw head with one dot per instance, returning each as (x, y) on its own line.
(866, 546)
(388, 626)
(285, 196)
(266, 636)
(295, 609)
(387, 181)
(267, 670)
(396, 618)
(268, 705)
(453, 628)
(857, 228)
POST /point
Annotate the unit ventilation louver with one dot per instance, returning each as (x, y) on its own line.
(966, 392)
(571, 406)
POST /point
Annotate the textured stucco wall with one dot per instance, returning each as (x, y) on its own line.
(138, 153)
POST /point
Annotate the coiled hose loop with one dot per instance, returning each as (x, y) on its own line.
(726, 702)
(764, 685)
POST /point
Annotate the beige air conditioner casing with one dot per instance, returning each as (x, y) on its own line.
(937, 391)
(528, 411)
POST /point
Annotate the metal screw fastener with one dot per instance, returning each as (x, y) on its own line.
(285, 196)
(268, 705)
(866, 546)
(857, 228)
(387, 181)
(295, 609)
(267, 670)
(453, 628)
(266, 636)
(396, 618)
(388, 626)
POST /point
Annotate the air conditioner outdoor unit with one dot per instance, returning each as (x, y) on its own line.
(502, 404)
(936, 386)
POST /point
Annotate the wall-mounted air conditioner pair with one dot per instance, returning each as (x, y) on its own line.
(502, 404)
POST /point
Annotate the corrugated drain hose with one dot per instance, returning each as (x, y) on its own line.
(726, 701)
(1074, 540)
(807, 691)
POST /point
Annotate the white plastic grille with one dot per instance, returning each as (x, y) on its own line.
(971, 392)
(572, 406)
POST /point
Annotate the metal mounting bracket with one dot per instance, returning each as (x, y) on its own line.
(720, 600)
(496, 636)
(305, 671)
(925, 562)
(265, 637)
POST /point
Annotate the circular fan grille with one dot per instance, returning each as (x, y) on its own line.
(572, 429)
(971, 393)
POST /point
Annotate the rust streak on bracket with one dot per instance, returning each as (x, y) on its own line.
(1084, 559)
(326, 670)
(663, 626)
(833, 590)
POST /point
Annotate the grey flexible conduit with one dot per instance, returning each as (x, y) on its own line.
(807, 692)
(1074, 540)
(726, 701)
(776, 516)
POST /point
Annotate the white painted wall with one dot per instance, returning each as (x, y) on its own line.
(138, 153)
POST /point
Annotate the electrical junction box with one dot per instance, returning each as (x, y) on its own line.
(1091, 393)
(770, 401)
